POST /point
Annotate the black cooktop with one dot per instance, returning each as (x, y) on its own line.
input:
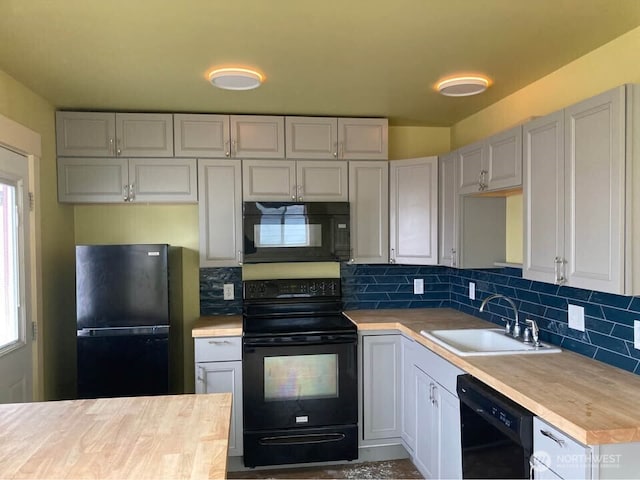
(294, 307)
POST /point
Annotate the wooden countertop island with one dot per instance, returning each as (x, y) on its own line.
(159, 437)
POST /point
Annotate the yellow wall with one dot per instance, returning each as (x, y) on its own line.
(57, 270)
(176, 225)
(611, 65)
(412, 142)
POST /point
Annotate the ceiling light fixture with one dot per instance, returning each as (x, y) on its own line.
(235, 78)
(463, 86)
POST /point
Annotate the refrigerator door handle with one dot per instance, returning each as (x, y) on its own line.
(117, 331)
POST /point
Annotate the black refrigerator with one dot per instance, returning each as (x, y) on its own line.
(122, 305)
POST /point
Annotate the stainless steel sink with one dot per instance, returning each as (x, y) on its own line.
(488, 341)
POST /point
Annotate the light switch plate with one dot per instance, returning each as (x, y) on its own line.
(576, 317)
(636, 334)
(472, 290)
(228, 291)
(418, 286)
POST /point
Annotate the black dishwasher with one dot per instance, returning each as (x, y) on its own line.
(497, 434)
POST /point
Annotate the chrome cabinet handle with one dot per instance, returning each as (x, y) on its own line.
(132, 192)
(118, 151)
(111, 146)
(559, 276)
(550, 435)
(125, 193)
(393, 256)
(352, 259)
(482, 182)
(335, 149)
(300, 192)
(239, 257)
(293, 192)
(227, 145)
(453, 257)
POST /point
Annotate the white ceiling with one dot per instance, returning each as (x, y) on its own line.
(329, 57)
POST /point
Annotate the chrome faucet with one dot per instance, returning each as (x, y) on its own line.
(516, 325)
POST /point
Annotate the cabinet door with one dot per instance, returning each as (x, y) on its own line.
(369, 206)
(413, 206)
(408, 393)
(163, 180)
(269, 180)
(595, 192)
(92, 180)
(144, 134)
(425, 455)
(471, 164)
(224, 377)
(448, 226)
(381, 386)
(504, 160)
(363, 138)
(85, 134)
(543, 197)
(322, 181)
(201, 135)
(257, 136)
(220, 203)
(311, 138)
(449, 441)
(564, 455)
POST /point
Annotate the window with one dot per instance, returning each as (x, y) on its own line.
(9, 266)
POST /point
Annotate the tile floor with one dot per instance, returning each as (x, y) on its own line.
(390, 469)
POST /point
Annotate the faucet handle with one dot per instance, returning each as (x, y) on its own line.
(507, 326)
(535, 330)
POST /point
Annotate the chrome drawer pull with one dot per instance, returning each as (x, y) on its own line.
(219, 342)
(550, 435)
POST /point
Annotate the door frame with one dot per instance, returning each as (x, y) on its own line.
(25, 141)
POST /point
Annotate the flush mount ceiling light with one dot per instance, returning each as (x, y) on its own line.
(462, 86)
(235, 78)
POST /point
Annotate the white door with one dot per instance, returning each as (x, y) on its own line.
(16, 374)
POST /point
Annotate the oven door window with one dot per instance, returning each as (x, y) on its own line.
(300, 377)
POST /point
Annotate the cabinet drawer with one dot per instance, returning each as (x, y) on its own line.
(561, 453)
(216, 349)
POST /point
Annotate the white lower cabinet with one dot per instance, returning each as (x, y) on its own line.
(381, 378)
(219, 370)
(408, 351)
(438, 448)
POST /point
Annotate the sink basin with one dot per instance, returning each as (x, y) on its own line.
(487, 341)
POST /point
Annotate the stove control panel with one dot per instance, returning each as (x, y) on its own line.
(293, 288)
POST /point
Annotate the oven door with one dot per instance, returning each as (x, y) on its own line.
(299, 381)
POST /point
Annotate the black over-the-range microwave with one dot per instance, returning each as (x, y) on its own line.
(296, 232)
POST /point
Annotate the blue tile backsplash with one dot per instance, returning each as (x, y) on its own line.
(608, 318)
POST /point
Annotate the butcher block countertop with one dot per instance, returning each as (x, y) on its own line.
(593, 402)
(218, 326)
(160, 437)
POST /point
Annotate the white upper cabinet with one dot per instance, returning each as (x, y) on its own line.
(369, 207)
(220, 212)
(491, 164)
(363, 138)
(117, 180)
(201, 135)
(86, 134)
(575, 195)
(257, 136)
(229, 136)
(288, 180)
(413, 207)
(312, 137)
(327, 138)
(97, 134)
(448, 212)
(322, 181)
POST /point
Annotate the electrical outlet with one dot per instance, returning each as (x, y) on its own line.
(576, 317)
(472, 290)
(636, 334)
(228, 291)
(418, 286)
